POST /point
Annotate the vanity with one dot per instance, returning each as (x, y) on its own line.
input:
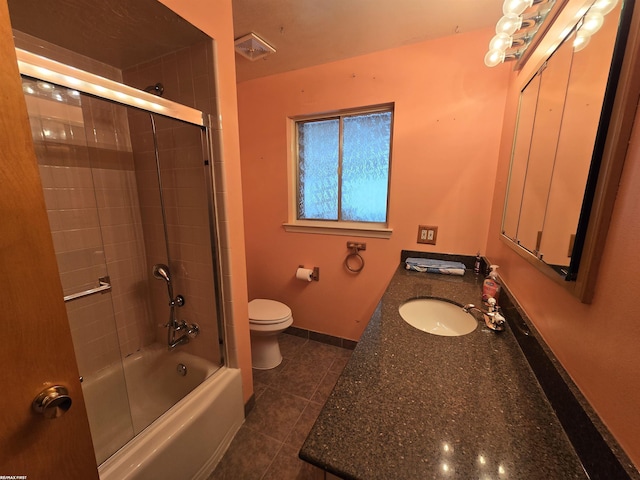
(412, 405)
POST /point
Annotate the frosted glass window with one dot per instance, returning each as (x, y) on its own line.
(343, 167)
(318, 146)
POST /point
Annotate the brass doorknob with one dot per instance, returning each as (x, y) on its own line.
(52, 402)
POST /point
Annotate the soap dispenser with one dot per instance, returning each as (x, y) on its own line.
(491, 286)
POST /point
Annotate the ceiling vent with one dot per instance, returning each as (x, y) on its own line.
(252, 47)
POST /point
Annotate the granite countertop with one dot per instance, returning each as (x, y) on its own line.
(414, 405)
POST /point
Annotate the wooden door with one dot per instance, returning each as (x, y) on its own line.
(35, 340)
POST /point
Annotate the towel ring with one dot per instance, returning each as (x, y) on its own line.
(354, 254)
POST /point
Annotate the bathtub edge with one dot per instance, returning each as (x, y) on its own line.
(145, 456)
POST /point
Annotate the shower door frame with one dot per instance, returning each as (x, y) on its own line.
(45, 69)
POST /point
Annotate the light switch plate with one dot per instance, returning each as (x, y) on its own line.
(427, 234)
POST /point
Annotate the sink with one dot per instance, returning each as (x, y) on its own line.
(437, 317)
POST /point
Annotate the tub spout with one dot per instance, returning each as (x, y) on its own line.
(179, 341)
(191, 331)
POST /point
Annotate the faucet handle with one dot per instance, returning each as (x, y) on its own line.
(491, 302)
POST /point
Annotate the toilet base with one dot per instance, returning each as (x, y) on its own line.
(265, 352)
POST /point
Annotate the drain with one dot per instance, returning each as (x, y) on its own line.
(181, 369)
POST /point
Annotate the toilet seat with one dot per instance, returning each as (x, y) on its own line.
(268, 312)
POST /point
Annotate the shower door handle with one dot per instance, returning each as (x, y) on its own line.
(52, 402)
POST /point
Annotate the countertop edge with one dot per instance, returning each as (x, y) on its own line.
(598, 450)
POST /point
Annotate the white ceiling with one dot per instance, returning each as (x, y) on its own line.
(312, 32)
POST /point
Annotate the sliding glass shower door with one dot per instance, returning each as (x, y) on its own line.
(102, 166)
(66, 144)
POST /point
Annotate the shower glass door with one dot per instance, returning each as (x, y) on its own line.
(102, 166)
(65, 143)
(176, 223)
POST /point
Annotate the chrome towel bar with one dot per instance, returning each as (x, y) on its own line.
(104, 285)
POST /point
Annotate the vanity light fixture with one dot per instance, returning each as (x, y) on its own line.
(581, 41)
(494, 58)
(592, 22)
(603, 6)
(516, 29)
(501, 41)
(517, 6)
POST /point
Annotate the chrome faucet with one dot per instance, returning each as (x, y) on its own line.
(161, 272)
(191, 331)
(493, 319)
(179, 341)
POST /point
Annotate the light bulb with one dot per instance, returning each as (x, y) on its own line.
(501, 41)
(603, 6)
(509, 24)
(516, 6)
(494, 58)
(47, 87)
(581, 41)
(592, 22)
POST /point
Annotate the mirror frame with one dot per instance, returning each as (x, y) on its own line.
(619, 110)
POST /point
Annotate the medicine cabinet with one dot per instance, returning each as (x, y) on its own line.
(571, 132)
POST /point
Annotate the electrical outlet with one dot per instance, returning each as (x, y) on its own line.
(427, 234)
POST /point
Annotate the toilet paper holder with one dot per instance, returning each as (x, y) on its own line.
(315, 276)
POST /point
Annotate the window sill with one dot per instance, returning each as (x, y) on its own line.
(345, 229)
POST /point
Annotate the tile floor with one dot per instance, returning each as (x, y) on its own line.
(288, 399)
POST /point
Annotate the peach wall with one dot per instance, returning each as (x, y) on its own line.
(214, 17)
(598, 343)
(448, 118)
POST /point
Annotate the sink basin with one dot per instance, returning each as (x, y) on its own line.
(437, 317)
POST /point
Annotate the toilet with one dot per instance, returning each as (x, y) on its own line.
(267, 318)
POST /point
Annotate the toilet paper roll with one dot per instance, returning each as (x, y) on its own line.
(304, 274)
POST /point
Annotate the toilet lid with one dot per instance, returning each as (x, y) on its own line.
(268, 311)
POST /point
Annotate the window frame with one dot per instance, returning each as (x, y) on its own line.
(334, 227)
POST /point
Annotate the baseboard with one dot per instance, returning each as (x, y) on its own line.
(321, 337)
(249, 405)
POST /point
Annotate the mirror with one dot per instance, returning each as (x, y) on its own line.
(559, 137)
(544, 141)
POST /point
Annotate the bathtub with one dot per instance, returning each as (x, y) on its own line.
(187, 440)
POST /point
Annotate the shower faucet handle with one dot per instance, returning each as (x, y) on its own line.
(179, 300)
(194, 330)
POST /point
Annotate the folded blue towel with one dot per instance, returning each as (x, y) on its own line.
(431, 265)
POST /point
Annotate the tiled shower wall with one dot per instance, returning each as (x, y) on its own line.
(187, 77)
(86, 167)
(182, 173)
